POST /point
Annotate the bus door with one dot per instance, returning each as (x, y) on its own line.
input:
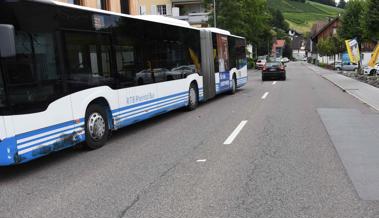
(223, 80)
(207, 64)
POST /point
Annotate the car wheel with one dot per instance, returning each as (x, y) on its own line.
(263, 78)
(193, 99)
(284, 77)
(96, 127)
(372, 72)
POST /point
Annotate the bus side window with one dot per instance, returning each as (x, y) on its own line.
(233, 53)
(132, 69)
(88, 59)
(126, 68)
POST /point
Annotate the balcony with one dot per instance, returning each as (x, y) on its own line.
(194, 18)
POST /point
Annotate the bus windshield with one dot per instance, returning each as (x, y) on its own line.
(30, 77)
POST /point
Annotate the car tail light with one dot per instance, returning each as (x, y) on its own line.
(264, 69)
(282, 68)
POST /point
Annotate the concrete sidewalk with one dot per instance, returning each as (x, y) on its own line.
(362, 91)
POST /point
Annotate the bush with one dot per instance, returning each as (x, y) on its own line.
(323, 65)
(250, 63)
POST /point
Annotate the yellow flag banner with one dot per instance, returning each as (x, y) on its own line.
(374, 57)
(353, 50)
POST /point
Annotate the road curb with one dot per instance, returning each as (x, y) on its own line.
(376, 108)
(350, 93)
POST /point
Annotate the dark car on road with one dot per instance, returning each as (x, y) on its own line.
(273, 70)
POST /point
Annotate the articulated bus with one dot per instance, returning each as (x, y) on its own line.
(70, 74)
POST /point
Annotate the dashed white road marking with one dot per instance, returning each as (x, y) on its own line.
(274, 82)
(234, 134)
(265, 95)
(201, 160)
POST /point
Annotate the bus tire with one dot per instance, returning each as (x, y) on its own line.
(96, 127)
(234, 85)
(193, 99)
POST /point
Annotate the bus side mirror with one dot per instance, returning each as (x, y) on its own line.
(7, 41)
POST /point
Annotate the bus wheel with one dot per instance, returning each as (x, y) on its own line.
(193, 100)
(234, 86)
(97, 128)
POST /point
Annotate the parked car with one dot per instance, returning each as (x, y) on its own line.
(337, 65)
(274, 69)
(367, 70)
(260, 63)
(285, 60)
(346, 66)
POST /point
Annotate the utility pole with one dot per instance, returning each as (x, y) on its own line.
(214, 14)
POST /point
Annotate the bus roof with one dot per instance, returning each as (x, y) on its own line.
(217, 30)
(151, 18)
(222, 31)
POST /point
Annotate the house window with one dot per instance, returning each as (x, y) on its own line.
(142, 10)
(125, 6)
(102, 4)
(75, 2)
(334, 31)
(162, 10)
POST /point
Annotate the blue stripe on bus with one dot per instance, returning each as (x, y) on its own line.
(46, 129)
(48, 140)
(44, 150)
(153, 108)
(152, 114)
(152, 104)
(151, 101)
(146, 102)
(51, 134)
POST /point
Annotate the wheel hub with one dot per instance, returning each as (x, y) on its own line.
(96, 126)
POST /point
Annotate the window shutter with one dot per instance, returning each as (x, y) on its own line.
(153, 9)
(168, 9)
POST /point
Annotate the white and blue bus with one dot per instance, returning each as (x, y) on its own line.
(71, 75)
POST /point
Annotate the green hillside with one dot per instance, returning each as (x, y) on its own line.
(301, 16)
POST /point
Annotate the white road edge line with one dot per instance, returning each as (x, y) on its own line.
(265, 95)
(201, 160)
(274, 82)
(234, 134)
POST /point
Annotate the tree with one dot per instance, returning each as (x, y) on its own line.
(287, 52)
(248, 18)
(351, 21)
(341, 4)
(330, 47)
(278, 21)
(370, 20)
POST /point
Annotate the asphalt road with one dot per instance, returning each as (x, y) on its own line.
(281, 164)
